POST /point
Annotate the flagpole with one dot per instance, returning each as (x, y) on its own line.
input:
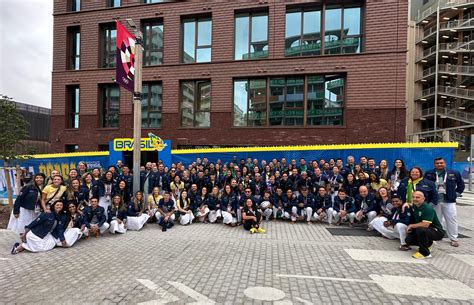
(137, 109)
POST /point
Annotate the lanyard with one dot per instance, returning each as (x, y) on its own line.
(444, 179)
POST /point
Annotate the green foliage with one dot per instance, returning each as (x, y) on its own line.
(13, 129)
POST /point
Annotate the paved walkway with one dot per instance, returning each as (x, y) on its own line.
(212, 263)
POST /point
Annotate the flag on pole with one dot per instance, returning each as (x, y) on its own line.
(125, 69)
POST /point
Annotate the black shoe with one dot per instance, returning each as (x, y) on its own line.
(14, 248)
(163, 229)
(170, 225)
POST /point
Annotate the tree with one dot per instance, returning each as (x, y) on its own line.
(13, 129)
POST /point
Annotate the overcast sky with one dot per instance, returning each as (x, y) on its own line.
(26, 50)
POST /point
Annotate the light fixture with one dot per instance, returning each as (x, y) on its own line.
(422, 119)
(452, 52)
(462, 86)
(424, 80)
(425, 21)
(445, 56)
(452, 30)
(445, 18)
(445, 36)
(444, 96)
(466, 62)
(424, 61)
(423, 99)
(461, 107)
(444, 76)
(424, 41)
(443, 116)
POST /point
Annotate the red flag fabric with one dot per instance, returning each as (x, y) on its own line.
(124, 68)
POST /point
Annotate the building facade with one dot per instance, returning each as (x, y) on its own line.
(442, 101)
(223, 73)
(38, 119)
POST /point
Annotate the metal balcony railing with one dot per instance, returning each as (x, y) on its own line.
(427, 53)
(425, 93)
(456, 92)
(456, 24)
(457, 46)
(443, 4)
(462, 116)
(427, 72)
(455, 69)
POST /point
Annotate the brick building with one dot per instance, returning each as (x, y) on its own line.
(223, 73)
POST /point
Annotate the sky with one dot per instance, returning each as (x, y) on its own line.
(26, 50)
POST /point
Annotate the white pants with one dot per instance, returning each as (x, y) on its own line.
(337, 216)
(213, 215)
(399, 231)
(136, 223)
(287, 215)
(103, 202)
(268, 212)
(447, 215)
(370, 216)
(26, 217)
(159, 217)
(71, 235)
(186, 219)
(36, 244)
(228, 218)
(116, 227)
(294, 213)
(201, 216)
(239, 215)
(102, 229)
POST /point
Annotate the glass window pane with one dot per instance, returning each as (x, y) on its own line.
(315, 92)
(294, 111)
(334, 101)
(292, 33)
(155, 119)
(276, 101)
(240, 103)
(187, 104)
(332, 39)
(204, 97)
(156, 98)
(203, 119)
(189, 41)
(204, 33)
(258, 103)
(259, 44)
(76, 100)
(242, 38)
(203, 55)
(352, 21)
(311, 33)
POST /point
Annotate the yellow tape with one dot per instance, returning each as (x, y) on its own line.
(73, 154)
(316, 147)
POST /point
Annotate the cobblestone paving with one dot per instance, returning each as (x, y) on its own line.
(215, 263)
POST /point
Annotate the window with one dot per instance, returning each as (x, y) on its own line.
(303, 33)
(325, 100)
(114, 3)
(72, 102)
(197, 40)
(74, 5)
(74, 41)
(195, 104)
(341, 29)
(289, 101)
(151, 105)
(71, 148)
(251, 36)
(152, 1)
(103, 147)
(250, 102)
(109, 106)
(108, 36)
(152, 43)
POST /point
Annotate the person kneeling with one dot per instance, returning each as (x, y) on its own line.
(74, 226)
(184, 207)
(425, 227)
(95, 219)
(251, 218)
(117, 216)
(165, 215)
(137, 216)
(40, 235)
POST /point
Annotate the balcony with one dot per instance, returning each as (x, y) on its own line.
(425, 93)
(464, 24)
(444, 113)
(443, 4)
(456, 92)
(456, 70)
(427, 53)
(456, 47)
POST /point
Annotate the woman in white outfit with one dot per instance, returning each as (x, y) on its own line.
(117, 215)
(153, 201)
(184, 207)
(213, 205)
(74, 226)
(106, 188)
(201, 204)
(137, 215)
(27, 205)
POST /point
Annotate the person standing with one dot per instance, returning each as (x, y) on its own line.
(425, 227)
(450, 185)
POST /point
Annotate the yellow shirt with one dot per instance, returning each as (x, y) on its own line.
(153, 203)
(50, 191)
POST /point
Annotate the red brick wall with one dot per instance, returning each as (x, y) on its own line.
(375, 84)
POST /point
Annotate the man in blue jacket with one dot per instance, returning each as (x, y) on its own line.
(450, 185)
(366, 205)
(344, 207)
(95, 219)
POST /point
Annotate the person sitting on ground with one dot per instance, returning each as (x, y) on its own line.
(290, 202)
(322, 200)
(308, 201)
(153, 200)
(366, 205)
(41, 235)
(74, 226)
(393, 225)
(265, 205)
(184, 207)
(251, 218)
(165, 215)
(346, 208)
(117, 215)
(425, 227)
(95, 219)
(137, 215)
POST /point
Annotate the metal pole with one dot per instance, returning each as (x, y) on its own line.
(436, 75)
(470, 162)
(137, 110)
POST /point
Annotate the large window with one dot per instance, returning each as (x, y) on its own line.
(74, 43)
(109, 106)
(290, 101)
(74, 5)
(114, 3)
(152, 43)
(151, 105)
(72, 108)
(341, 30)
(250, 102)
(195, 104)
(108, 35)
(251, 36)
(197, 40)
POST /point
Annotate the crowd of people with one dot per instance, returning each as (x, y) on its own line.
(397, 202)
